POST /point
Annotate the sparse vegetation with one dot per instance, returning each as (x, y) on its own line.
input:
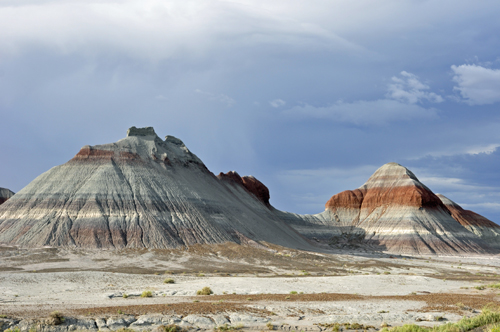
(497, 286)
(204, 291)
(270, 326)
(124, 295)
(169, 281)
(170, 328)
(489, 316)
(15, 329)
(480, 287)
(147, 293)
(226, 327)
(293, 292)
(55, 318)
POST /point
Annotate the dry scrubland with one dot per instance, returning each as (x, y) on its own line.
(58, 289)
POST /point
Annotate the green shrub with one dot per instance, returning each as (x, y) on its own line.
(147, 293)
(15, 329)
(169, 281)
(204, 291)
(55, 318)
(293, 292)
(270, 326)
(124, 295)
(494, 328)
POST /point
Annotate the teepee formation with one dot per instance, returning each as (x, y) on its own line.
(143, 191)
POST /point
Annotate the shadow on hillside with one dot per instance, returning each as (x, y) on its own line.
(354, 241)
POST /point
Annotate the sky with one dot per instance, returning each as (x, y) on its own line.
(310, 97)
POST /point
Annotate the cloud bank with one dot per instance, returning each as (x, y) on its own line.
(400, 105)
(477, 85)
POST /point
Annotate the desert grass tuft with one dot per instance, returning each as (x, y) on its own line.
(204, 291)
(147, 293)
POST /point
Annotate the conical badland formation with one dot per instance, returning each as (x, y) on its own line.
(143, 191)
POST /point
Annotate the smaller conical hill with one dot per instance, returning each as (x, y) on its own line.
(396, 212)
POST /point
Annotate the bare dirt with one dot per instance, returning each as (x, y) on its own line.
(281, 285)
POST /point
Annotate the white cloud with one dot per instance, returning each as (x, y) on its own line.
(376, 112)
(449, 184)
(491, 206)
(222, 98)
(156, 29)
(477, 85)
(409, 89)
(400, 105)
(487, 149)
(277, 103)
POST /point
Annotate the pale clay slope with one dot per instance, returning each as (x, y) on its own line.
(164, 199)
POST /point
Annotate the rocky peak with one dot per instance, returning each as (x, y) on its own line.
(140, 145)
(146, 131)
(250, 183)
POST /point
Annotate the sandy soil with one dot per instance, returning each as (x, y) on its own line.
(280, 286)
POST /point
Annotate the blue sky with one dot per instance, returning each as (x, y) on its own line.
(311, 97)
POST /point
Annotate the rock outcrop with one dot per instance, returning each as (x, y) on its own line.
(395, 212)
(140, 192)
(484, 228)
(5, 194)
(250, 183)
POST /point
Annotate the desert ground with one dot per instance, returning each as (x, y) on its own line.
(254, 288)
